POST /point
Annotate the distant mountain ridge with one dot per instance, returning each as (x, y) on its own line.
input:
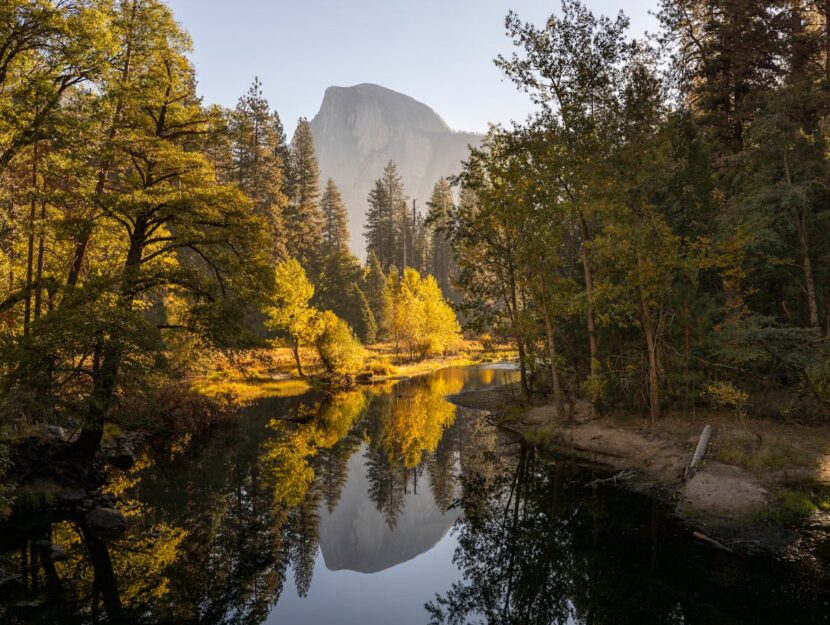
(361, 128)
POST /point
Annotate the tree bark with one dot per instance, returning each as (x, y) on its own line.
(27, 311)
(554, 367)
(827, 43)
(295, 349)
(523, 367)
(591, 325)
(39, 269)
(809, 278)
(655, 409)
(804, 241)
(105, 375)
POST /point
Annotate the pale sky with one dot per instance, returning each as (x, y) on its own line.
(438, 51)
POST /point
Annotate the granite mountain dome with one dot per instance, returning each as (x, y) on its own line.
(359, 129)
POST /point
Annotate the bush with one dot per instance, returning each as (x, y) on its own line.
(381, 365)
(340, 351)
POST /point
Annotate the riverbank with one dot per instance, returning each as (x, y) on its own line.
(250, 374)
(769, 492)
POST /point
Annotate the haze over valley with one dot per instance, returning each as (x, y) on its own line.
(359, 129)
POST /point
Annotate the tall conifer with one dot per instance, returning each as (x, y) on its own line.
(303, 217)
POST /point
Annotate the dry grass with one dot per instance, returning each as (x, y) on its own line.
(245, 375)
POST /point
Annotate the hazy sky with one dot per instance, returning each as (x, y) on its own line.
(437, 51)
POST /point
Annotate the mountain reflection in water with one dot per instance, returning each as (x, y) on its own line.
(383, 505)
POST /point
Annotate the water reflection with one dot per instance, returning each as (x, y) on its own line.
(217, 526)
(537, 547)
(309, 504)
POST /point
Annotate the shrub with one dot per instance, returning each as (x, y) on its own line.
(340, 351)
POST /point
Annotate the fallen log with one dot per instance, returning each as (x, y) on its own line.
(700, 453)
(710, 541)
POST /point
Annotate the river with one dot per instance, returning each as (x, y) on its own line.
(385, 505)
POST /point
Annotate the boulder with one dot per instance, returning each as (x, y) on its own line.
(71, 497)
(56, 432)
(123, 458)
(105, 520)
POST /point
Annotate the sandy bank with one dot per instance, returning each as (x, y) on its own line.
(766, 485)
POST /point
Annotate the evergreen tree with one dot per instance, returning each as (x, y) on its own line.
(259, 152)
(339, 290)
(386, 219)
(303, 216)
(375, 292)
(335, 221)
(440, 258)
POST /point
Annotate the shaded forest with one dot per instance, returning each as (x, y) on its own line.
(653, 238)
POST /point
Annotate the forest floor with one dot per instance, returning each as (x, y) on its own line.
(249, 374)
(765, 484)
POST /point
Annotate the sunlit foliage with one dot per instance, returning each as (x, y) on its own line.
(419, 317)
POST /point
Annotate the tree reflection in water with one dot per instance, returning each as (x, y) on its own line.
(536, 547)
(215, 524)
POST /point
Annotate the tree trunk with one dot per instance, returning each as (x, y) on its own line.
(589, 292)
(78, 257)
(27, 311)
(809, 279)
(804, 240)
(655, 411)
(554, 367)
(523, 367)
(653, 377)
(827, 43)
(105, 376)
(295, 349)
(39, 270)
(104, 382)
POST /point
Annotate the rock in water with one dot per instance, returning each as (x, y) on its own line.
(105, 520)
(359, 129)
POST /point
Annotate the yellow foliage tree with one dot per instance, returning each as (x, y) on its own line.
(338, 347)
(419, 316)
(291, 316)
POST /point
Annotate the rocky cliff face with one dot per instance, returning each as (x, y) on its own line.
(359, 129)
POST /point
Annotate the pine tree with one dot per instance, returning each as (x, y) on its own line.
(335, 221)
(303, 217)
(726, 55)
(375, 290)
(259, 153)
(339, 290)
(386, 219)
(440, 258)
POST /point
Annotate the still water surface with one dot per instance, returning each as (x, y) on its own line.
(388, 505)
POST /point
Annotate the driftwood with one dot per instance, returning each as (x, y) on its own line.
(621, 476)
(710, 541)
(700, 453)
